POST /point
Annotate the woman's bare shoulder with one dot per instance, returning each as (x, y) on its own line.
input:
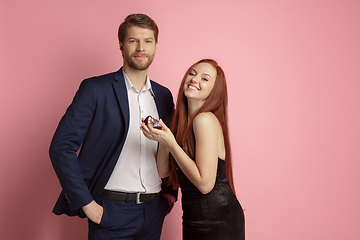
(205, 120)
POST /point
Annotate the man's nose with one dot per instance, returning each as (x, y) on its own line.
(140, 46)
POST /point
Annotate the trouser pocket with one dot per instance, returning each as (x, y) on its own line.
(105, 215)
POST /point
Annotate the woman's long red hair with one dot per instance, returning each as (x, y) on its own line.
(181, 125)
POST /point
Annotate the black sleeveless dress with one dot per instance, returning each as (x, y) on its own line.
(217, 215)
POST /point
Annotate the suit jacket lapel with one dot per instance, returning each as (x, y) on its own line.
(158, 102)
(121, 94)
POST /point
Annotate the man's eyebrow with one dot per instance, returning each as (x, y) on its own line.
(145, 38)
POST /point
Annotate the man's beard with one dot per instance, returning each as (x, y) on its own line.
(139, 65)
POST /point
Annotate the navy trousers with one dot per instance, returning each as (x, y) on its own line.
(130, 221)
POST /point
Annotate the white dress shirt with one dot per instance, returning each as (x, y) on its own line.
(135, 170)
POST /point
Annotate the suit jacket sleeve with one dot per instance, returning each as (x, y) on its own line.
(67, 141)
(168, 103)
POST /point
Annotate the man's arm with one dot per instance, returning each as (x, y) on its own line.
(67, 141)
(167, 190)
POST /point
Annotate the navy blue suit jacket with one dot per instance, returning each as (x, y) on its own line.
(96, 122)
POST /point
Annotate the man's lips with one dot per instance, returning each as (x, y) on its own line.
(140, 56)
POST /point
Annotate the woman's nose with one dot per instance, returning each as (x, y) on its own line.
(193, 79)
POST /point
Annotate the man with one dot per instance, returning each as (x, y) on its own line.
(113, 181)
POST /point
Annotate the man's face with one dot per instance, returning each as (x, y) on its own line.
(139, 48)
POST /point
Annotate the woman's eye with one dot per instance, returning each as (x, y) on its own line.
(205, 79)
(192, 74)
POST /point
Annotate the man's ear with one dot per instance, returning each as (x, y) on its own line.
(121, 46)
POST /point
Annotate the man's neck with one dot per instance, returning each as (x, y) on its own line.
(136, 77)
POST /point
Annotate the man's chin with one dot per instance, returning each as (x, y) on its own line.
(140, 66)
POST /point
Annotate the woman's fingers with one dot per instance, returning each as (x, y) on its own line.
(149, 131)
(163, 124)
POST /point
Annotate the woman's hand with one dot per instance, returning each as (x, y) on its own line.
(165, 139)
(164, 136)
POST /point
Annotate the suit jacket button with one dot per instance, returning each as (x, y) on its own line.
(67, 198)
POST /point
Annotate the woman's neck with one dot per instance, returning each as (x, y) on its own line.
(193, 106)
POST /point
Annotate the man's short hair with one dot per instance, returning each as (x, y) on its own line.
(139, 20)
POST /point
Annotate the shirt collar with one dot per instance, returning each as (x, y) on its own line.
(146, 87)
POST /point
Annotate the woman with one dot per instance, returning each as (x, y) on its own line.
(199, 148)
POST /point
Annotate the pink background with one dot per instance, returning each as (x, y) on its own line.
(293, 71)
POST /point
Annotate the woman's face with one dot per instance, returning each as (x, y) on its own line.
(200, 81)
